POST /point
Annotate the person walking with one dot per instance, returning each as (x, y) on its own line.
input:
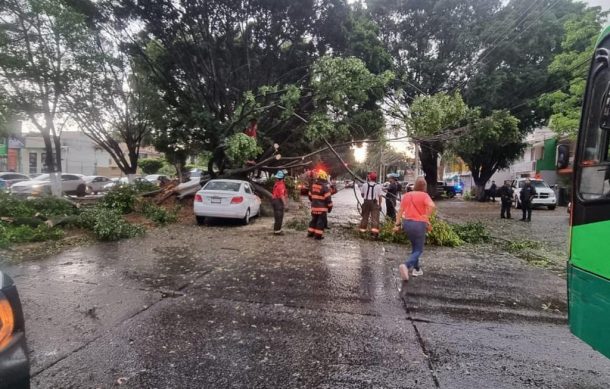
(527, 194)
(493, 190)
(414, 213)
(321, 205)
(506, 198)
(372, 193)
(392, 192)
(279, 201)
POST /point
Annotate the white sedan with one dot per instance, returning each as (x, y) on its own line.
(229, 199)
(97, 184)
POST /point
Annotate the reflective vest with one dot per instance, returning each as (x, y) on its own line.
(320, 197)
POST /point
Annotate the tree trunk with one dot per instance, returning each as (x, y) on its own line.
(429, 164)
(50, 162)
(480, 191)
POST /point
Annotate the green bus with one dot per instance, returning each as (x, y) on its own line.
(589, 261)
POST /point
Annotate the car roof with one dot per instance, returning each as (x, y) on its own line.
(229, 180)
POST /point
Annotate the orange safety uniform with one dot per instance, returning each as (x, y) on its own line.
(321, 204)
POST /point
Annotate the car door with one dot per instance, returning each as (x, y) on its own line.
(251, 198)
(69, 182)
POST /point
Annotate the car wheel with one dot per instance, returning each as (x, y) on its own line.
(551, 207)
(246, 219)
(200, 220)
(81, 190)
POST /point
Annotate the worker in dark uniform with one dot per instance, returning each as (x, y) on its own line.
(371, 192)
(526, 196)
(392, 192)
(493, 191)
(321, 205)
(506, 199)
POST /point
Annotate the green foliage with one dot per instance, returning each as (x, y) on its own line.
(159, 215)
(52, 206)
(581, 32)
(490, 144)
(431, 115)
(143, 186)
(387, 234)
(150, 166)
(472, 232)
(108, 224)
(11, 206)
(25, 234)
(120, 198)
(241, 147)
(442, 234)
(341, 87)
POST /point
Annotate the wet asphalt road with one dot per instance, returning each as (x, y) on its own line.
(231, 306)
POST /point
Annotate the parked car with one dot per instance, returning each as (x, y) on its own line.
(545, 196)
(41, 185)
(14, 360)
(157, 179)
(7, 179)
(349, 183)
(96, 184)
(229, 199)
(121, 181)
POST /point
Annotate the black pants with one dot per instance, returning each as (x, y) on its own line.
(278, 214)
(527, 210)
(390, 205)
(505, 212)
(317, 225)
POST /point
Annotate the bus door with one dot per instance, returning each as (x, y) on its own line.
(589, 262)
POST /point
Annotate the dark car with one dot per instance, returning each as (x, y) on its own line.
(14, 360)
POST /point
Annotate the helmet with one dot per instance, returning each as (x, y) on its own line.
(279, 175)
(322, 175)
(373, 176)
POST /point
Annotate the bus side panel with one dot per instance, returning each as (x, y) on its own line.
(589, 308)
(590, 248)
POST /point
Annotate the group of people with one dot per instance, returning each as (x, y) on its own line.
(526, 196)
(412, 216)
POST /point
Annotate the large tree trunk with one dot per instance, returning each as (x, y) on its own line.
(50, 162)
(429, 164)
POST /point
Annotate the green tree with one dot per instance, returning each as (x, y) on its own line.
(581, 32)
(517, 47)
(489, 144)
(433, 42)
(215, 77)
(150, 166)
(40, 41)
(430, 121)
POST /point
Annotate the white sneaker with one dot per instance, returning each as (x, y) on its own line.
(404, 272)
(417, 273)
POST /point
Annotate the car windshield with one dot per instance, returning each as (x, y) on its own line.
(223, 185)
(42, 177)
(539, 184)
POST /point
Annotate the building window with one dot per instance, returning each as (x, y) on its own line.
(33, 163)
(43, 162)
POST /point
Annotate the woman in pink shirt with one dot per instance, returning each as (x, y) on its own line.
(414, 214)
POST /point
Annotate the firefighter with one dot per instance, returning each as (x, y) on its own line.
(321, 204)
(371, 207)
